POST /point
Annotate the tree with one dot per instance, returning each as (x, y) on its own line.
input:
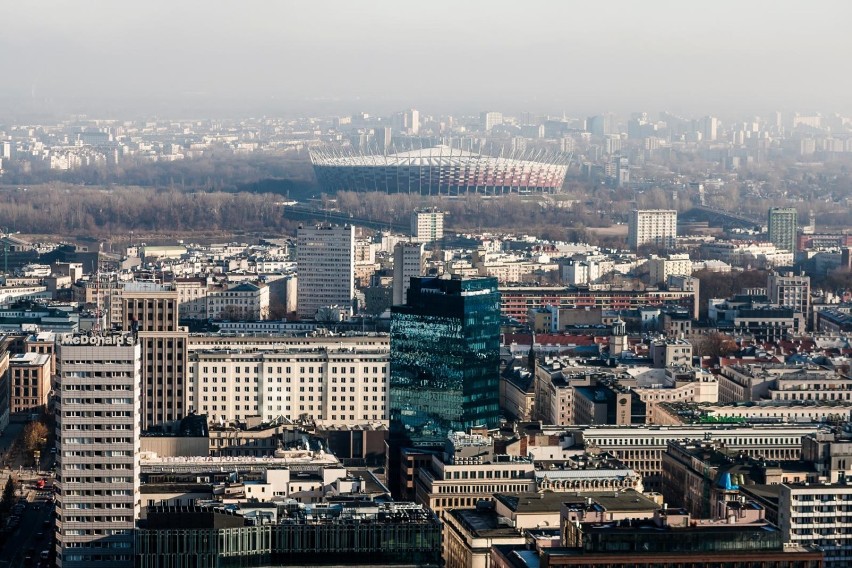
(8, 498)
(715, 345)
(35, 435)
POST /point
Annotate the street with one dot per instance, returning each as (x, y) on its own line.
(35, 532)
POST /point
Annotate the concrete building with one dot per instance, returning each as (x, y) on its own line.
(29, 383)
(673, 265)
(427, 225)
(790, 290)
(408, 261)
(654, 227)
(817, 514)
(98, 429)
(243, 301)
(151, 315)
(782, 225)
(331, 382)
(192, 297)
(490, 119)
(325, 257)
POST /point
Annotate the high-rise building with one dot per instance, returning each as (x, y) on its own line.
(490, 119)
(782, 227)
(445, 352)
(97, 440)
(407, 262)
(709, 128)
(325, 259)
(411, 121)
(655, 227)
(427, 225)
(151, 314)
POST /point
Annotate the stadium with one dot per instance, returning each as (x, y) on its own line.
(439, 170)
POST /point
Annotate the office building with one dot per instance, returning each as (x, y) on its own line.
(98, 428)
(325, 258)
(652, 227)
(445, 350)
(427, 225)
(330, 382)
(150, 313)
(358, 533)
(242, 301)
(29, 382)
(408, 261)
(782, 228)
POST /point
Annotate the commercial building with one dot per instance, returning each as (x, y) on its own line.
(427, 225)
(325, 258)
(445, 351)
(243, 301)
(29, 382)
(151, 314)
(98, 428)
(654, 227)
(439, 170)
(331, 382)
(517, 301)
(782, 225)
(341, 534)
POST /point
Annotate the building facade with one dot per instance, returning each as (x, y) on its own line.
(325, 257)
(782, 225)
(427, 225)
(654, 227)
(445, 351)
(98, 428)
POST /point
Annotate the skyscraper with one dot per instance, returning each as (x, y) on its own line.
(490, 119)
(445, 357)
(97, 429)
(325, 260)
(782, 227)
(655, 227)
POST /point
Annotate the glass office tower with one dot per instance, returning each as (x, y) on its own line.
(445, 359)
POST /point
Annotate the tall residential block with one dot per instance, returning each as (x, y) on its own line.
(782, 227)
(790, 290)
(654, 227)
(151, 314)
(427, 225)
(325, 259)
(408, 261)
(445, 353)
(97, 440)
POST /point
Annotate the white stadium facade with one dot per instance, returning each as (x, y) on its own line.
(439, 170)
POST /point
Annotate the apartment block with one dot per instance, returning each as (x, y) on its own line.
(325, 257)
(654, 227)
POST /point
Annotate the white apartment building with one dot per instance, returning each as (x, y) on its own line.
(98, 428)
(675, 265)
(331, 382)
(244, 301)
(427, 225)
(656, 227)
(325, 257)
(818, 514)
(408, 261)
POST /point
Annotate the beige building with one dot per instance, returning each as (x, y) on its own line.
(192, 297)
(29, 382)
(243, 301)
(674, 265)
(150, 313)
(655, 227)
(333, 381)
(427, 225)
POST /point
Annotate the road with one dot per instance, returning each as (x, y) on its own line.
(30, 537)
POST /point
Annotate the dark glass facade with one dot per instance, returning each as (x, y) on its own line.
(445, 359)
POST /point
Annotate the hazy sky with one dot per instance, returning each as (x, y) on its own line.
(435, 55)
